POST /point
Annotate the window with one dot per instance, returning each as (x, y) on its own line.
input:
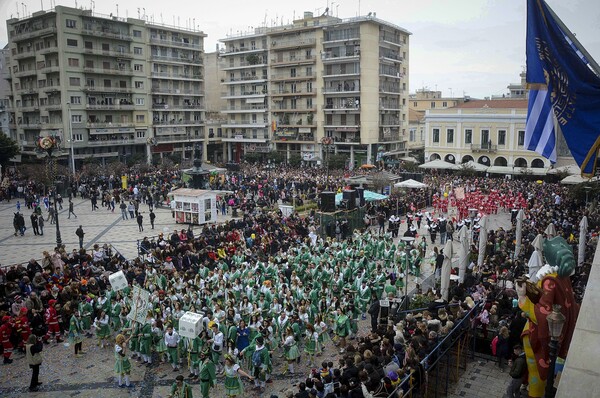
(415, 104)
(140, 118)
(137, 33)
(139, 101)
(105, 65)
(521, 137)
(78, 137)
(140, 134)
(139, 84)
(501, 137)
(105, 47)
(75, 100)
(468, 136)
(138, 67)
(445, 104)
(89, 63)
(88, 45)
(71, 23)
(74, 62)
(137, 50)
(436, 135)
(309, 87)
(309, 103)
(432, 104)
(309, 71)
(76, 118)
(74, 81)
(71, 42)
(449, 136)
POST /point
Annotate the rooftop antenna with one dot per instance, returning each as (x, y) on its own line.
(194, 21)
(42, 4)
(161, 19)
(139, 16)
(17, 4)
(265, 19)
(143, 9)
(117, 10)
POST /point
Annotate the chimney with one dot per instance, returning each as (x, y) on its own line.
(308, 14)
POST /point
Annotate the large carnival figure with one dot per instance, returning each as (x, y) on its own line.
(551, 285)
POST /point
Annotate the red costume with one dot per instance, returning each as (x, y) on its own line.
(5, 332)
(23, 328)
(52, 321)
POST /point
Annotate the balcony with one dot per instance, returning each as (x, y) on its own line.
(175, 91)
(293, 60)
(389, 136)
(245, 137)
(342, 89)
(300, 42)
(48, 50)
(23, 55)
(28, 108)
(175, 43)
(178, 59)
(279, 93)
(110, 107)
(178, 138)
(241, 51)
(246, 108)
(108, 53)
(351, 106)
(245, 123)
(53, 125)
(50, 69)
(125, 141)
(292, 137)
(247, 79)
(112, 34)
(245, 64)
(96, 125)
(106, 89)
(30, 90)
(109, 71)
(51, 107)
(53, 87)
(31, 126)
(484, 148)
(327, 57)
(23, 73)
(35, 32)
(297, 76)
(184, 76)
(180, 122)
(225, 94)
(178, 107)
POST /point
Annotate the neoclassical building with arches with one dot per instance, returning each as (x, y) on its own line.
(487, 132)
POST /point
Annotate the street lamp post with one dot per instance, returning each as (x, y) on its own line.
(472, 215)
(408, 241)
(556, 321)
(327, 142)
(587, 189)
(72, 149)
(48, 145)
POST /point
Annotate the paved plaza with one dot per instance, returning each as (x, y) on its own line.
(64, 375)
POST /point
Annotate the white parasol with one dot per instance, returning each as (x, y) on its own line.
(446, 266)
(463, 258)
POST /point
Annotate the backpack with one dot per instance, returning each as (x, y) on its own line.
(494, 345)
(256, 359)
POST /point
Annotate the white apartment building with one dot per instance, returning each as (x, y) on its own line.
(108, 87)
(292, 88)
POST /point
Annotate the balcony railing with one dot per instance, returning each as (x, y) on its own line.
(171, 107)
(111, 53)
(182, 59)
(484, 148)
(109, 71)
(292, 60)
(297, 76)
(177, 122)
(106, 89)
(92, 125)
(258, 108)
(23, 54)
(175, 43)
(175, 91)
(110, 107)
(126, 141)
(113, 34)
(50, 69)
(22, 73)
(197, 76)
(293, 92)
(41, 31)
(300, 42)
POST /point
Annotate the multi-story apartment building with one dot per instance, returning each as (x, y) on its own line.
(4, 92)
(289, 87)
(489, 132)
(106, 86)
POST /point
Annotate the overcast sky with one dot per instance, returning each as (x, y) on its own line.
(475, 47)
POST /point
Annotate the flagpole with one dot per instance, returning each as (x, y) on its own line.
(591, 62)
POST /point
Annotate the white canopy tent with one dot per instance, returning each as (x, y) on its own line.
(438, 164)
(411, 184)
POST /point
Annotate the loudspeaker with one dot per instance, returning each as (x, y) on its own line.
(360, 191)
(350, 196)
(328, 202)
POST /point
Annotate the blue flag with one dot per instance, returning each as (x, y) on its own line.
(562, 88)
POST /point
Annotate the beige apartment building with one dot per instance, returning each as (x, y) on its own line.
(109, 87)
(320, 82)
(488, 132)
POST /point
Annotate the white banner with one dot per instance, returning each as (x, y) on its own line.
(140, 305)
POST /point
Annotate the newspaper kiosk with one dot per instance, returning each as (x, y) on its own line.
(194, 206)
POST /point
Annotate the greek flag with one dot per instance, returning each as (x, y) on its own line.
(564, 90)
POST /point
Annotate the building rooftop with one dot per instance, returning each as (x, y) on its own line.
(495, 104)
